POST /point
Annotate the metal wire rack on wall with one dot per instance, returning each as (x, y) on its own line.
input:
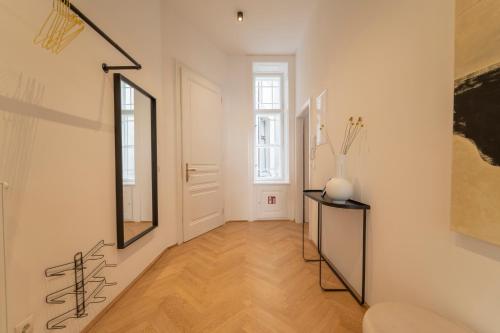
(86, 288)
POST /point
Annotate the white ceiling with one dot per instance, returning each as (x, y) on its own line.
(270, 26)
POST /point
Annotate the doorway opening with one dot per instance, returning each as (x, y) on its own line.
(303, 165)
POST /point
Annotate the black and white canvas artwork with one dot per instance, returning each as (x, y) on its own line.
(477, 112)
(475, 202)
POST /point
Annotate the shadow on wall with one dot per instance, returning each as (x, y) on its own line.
(20, 112)
(27, 100)
(17, 138)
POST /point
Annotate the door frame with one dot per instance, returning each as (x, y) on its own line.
(179, 199)
(304, 113)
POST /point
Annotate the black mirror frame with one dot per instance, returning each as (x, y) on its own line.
(121, 243)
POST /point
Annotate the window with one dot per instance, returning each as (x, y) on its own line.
(128, 125)
(268, 93)
(269, 107)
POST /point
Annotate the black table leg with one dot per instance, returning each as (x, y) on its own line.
(362, 301)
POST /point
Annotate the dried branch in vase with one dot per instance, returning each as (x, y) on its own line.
(352, 130)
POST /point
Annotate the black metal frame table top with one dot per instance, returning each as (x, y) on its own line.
(317, 196)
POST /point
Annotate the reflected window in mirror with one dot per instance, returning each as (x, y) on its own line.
(135, 117)
(128, 159)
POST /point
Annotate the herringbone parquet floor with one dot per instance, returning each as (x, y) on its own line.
(242, 277)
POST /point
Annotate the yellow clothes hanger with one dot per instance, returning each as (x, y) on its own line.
(72, 24)
(55, 29)
(74, 27)
(60, 27)
(53, 25)
(65, 26)
(49, 21)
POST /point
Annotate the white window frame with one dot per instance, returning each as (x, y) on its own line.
(284, 130)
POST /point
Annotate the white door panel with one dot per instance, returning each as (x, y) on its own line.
(202, 119)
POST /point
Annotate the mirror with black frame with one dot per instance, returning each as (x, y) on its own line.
(135, 159)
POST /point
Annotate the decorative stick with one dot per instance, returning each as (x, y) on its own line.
(349, 138)
(359, 127)
(350, 124)
(352, 137)
(350, 134)
(345, 135)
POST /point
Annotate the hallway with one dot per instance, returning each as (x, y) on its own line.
(241, 277)
(160, 160)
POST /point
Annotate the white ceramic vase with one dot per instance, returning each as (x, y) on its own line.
(339, 189)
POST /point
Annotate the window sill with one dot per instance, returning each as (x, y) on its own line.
(272, 182)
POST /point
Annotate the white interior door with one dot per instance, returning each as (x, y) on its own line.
(202, 151)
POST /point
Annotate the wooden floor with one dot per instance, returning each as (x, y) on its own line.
(242, 277)
(132, 229)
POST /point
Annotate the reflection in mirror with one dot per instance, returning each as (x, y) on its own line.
(138, 165)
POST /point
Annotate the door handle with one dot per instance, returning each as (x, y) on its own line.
(188, 170)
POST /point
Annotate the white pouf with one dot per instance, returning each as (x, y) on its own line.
(405, 318)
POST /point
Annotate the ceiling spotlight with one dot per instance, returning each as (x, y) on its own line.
(240, 17)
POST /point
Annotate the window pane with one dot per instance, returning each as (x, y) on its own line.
(268, 146)
(127, 97)
(277, 96)
(268, 129)
(269, 163)
(128, 147)
(267, 96)
(268, 93)
(128, 164)
(128, 144)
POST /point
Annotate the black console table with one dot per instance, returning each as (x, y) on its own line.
(316, 195)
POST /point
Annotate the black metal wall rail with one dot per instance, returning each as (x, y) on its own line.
(106, 68)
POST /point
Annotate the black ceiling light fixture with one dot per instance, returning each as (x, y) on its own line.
(240, 16)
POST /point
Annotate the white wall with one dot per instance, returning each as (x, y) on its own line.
(238, 149)
(392, 63)
(241, 194)
(57, 141)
